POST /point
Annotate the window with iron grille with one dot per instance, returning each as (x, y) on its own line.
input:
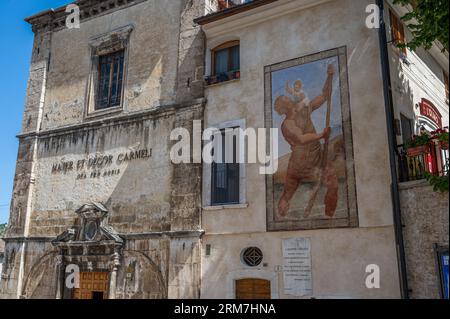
(252, 256)
(225, 176)
(110, 80)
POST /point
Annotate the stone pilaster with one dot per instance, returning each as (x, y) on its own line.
(191, 52)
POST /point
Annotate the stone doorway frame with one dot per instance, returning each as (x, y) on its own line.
(90, 246)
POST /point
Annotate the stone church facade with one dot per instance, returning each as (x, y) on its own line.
(145, 233)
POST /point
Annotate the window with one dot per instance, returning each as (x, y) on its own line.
(225, 184)
(226, 58)
(407, 128)
(225, 176)
(447, 93)
(398, 31)
(108, 74)
(110, 78)
(252, 256)
(225, 63)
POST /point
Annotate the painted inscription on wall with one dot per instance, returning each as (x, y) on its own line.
(297, 273)
(100, 165)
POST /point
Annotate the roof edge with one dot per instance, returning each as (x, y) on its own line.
(219, 15)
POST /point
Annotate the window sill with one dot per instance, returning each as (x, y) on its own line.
(413, 184)
(102, 112)
(227, 77)
(221, 207)
(222, 83)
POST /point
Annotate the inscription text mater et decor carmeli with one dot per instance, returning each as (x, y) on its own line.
(100, 164)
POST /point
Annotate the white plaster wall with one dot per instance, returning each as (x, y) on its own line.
(339, 261)
(345, 252)
(422, 78)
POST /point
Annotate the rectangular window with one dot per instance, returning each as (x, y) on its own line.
(110, 78)
(225, 177)
(407, 128)
(398, 31)
(226, 58)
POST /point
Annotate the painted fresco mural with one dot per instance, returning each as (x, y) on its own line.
(307, 100)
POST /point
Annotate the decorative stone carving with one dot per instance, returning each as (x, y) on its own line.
(56, 19)
(92, 228)
(113, 41)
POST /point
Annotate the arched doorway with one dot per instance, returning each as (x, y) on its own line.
(252, 288)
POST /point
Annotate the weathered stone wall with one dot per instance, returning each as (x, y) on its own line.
(20, 193)
(425, 216)
(2, 256)
(10, 271)
(144, 270)
(145, 196)
(152, 61)
(122, 160)
(191, 52)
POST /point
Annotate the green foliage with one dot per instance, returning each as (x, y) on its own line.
(428, 22)
(2, 229)
(439, 183)
(443, 137)
(418, 140)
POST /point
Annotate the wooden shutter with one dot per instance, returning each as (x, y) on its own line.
(398, 31)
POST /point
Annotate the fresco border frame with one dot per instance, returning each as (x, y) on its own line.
(351, 221)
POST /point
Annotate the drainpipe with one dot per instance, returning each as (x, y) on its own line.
(392, 141)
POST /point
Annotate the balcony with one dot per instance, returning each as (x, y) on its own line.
(226, 4)
(222, 77)
(415, 163)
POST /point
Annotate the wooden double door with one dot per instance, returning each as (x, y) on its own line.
(253, 289)
(93, 285)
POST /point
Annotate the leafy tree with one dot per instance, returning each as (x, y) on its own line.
(2, 229)
(428, 22)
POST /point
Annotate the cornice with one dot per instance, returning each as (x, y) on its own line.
(55, 19)
(118, 119)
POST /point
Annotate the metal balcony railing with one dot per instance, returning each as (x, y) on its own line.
(222, 77)
(413, 163)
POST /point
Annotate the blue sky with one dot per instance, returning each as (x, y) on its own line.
(17, 41)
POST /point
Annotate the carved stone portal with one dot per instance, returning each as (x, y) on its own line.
(91, 246)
